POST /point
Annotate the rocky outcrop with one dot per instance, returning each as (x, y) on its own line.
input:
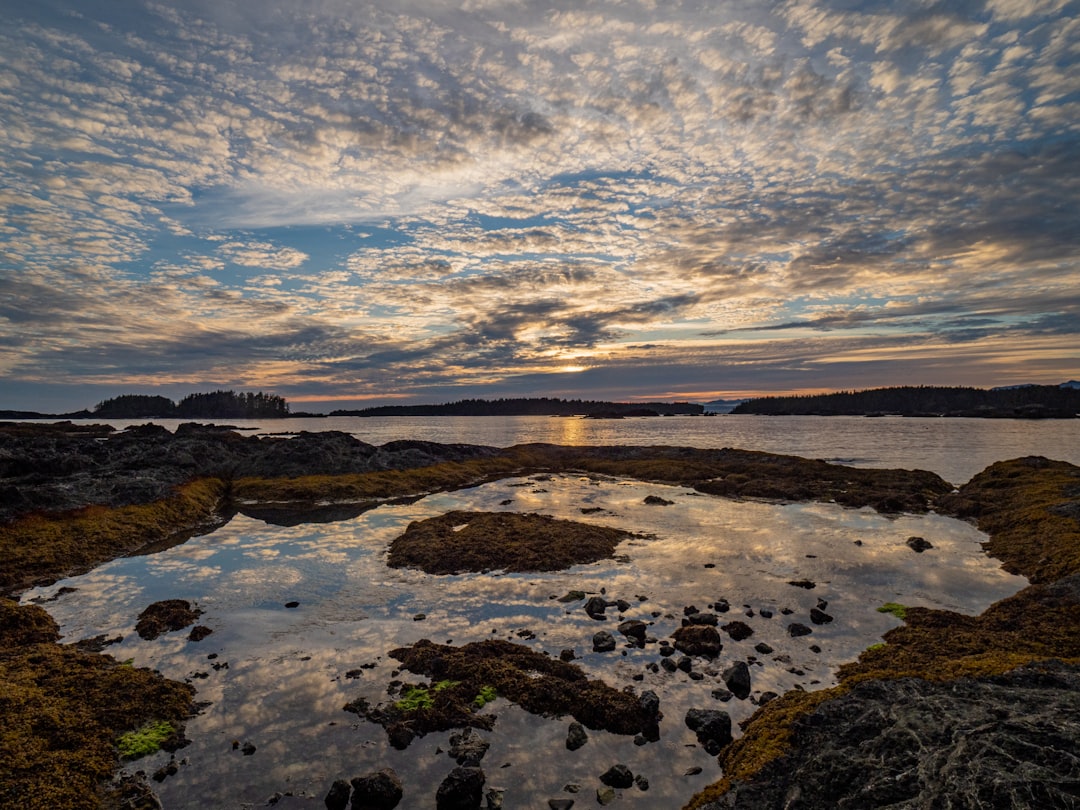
(1002, 741)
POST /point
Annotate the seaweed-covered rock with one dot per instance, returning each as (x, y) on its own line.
(481, 541)
(162, 617)
(1000, 741)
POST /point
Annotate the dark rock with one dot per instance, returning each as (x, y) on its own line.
(919, 544)
(635, 630)
(795, 629)
(822, 604)
(463, 789)
(248, 749)
(710, 724)
(494, 798)
(641, 782)
(167, 615)
(685, 663)
(292, 604)
(378, 791)
(603, 642)
(738, 630)
(803, 583)
(468, 747)
(698, 639)
(703, 618)
(567, 655)
(819, 616)
(766, 697)
(605, 796)
(656, 500)
(617, 776)
(737, 679)
(650, 704)
(1004, 741)
(576, 736)
(595, 607)
(338, 797)
(560, 804)
(722, 606)
(199, 632)
(765, 614)
(622, 605)
(668, 665)
(694, 771)
(722, 695)
(572, 596)
(763, 648)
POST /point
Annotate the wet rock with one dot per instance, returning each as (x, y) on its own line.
(738, 630)
(641, 782)
(722, 695)
(576, 736)
(468, 747)
(668, 665)
(703, 618)
(603, 642)
(656, 500)
(338, 797)
(685, 663)
(165, 616)
(567, 655)
(292, 605)
(803, 583)
(763, 648)
(248, 749)
(919, 544)
(822, 604)
(710, 725)
(560, 804)
(650, 704)
(819, 616)
(737, 679)
(698, 639)
(199, 632)
(634, 630)
(795, 629)
(595, 607)
(377, 791)
(605, 795)
(694, 771)
(621, 605)
(618, 776)
(765, 614)
(766, 697)
(572, 596)
(462, 790)
(722, 606)
(494, 797)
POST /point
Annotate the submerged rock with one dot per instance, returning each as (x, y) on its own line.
(576, 736)
(618, 776)
(463, 789)
(165, 616)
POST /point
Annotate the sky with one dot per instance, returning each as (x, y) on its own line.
(406, 201)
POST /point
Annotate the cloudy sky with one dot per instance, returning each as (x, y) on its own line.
(418, 201)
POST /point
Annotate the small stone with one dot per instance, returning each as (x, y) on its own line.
(693, 771)
(763, 648)
(292, 605)
(656, 500)
(819, 616)
(572, 596)
(766, 697)
(603, 642)
(605, 796)
(576, 736)
(765, 614)
(738, 630)
(919, 544)
(563, 804)
(634, 630)
(595, 607)
(795, 629)
(567, 655)
(737, 679)
(710, 724)
(650, 704)
(617, 776)
(722, 695)
(668, 665)
(248, 749)
(419, 617)
(494, 798)
(803, 583)
(641, 782)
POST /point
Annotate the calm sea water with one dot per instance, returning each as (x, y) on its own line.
(956, 449)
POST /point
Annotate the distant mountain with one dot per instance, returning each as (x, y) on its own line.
(1013, 402)
(1070, 384)
(723, 405)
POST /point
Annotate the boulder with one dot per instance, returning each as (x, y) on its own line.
(338, 797)
(380, 790)
(710, 725)
(576, 736)
(468, 747)
(635, 631)
(737, 679)
(603, 642)
(617, 776)
(462, 789)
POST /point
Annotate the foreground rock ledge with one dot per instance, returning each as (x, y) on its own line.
(511, 541)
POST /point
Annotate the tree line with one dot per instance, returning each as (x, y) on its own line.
(527, 406)
(215, 404)
(1033, 401)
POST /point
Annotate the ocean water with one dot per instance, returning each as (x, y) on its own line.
(956, 449)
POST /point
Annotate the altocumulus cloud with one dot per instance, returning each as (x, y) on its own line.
(429, 199)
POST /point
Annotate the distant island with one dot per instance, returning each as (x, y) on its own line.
(532, 406)
(212, 405)
(1013, 402)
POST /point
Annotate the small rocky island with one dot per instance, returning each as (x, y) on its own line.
(76, 496)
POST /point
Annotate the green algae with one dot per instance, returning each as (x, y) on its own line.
(894, 608)
(144, 741)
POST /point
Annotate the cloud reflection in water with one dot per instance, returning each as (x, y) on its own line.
(285, 682)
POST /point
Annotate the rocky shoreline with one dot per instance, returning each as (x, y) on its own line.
(73, 497)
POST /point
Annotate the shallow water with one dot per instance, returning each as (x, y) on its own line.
(285, 681)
